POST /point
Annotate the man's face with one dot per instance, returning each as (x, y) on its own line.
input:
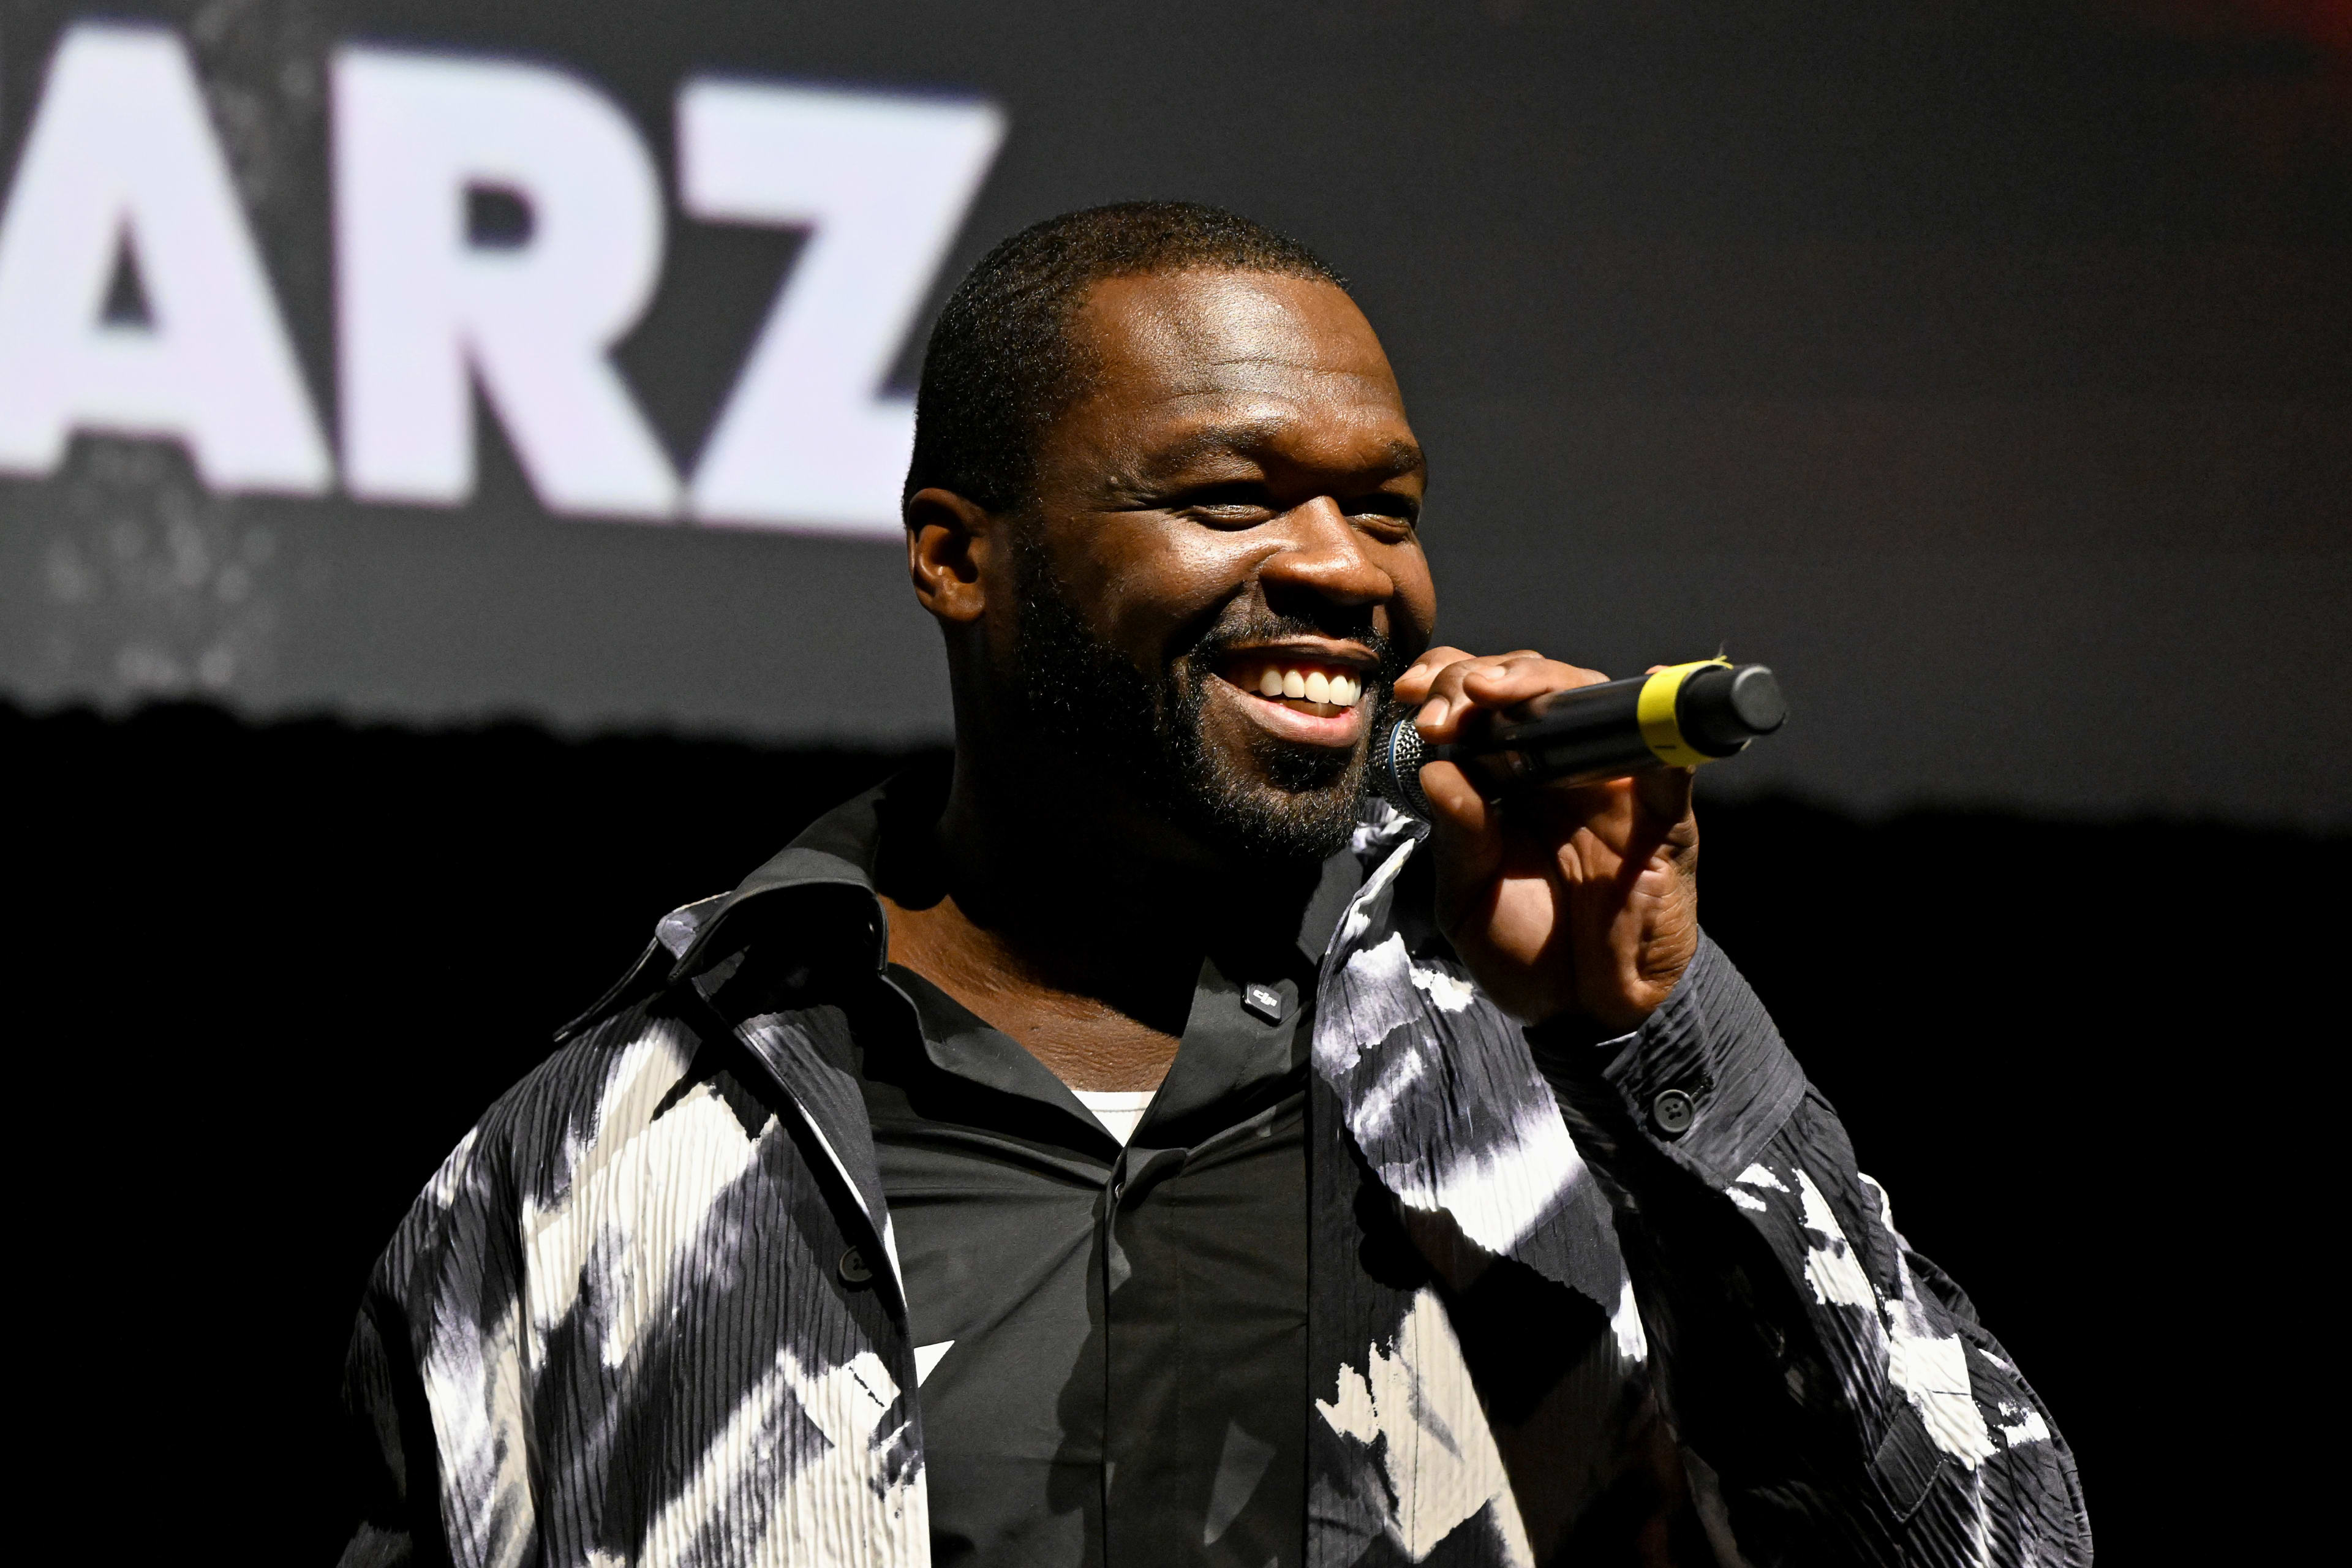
(1223, 574)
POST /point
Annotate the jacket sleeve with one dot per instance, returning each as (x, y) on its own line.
(1836, 1388)
(434, 1387)
(394, 1478)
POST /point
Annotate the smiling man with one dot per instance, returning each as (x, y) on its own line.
(1137, 1146)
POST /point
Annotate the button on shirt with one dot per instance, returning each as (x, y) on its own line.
(1112, 1340)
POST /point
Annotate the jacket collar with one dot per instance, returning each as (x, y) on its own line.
(841, 848)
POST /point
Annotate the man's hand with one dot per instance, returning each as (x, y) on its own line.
(1562, 900)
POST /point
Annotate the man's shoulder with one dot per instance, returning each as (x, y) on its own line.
(604, 1081)
(617, 1066)
(578, 1143)
(635, 1089)
(592, 1088)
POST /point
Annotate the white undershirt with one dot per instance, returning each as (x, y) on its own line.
(1118, 1110)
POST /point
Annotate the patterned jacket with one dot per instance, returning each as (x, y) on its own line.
(1570, 1301)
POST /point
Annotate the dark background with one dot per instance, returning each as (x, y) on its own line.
(286, 967)
(1986, 367)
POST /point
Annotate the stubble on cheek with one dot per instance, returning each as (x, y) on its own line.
(1175, 737)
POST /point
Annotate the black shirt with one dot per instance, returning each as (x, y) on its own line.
(1113, 1341)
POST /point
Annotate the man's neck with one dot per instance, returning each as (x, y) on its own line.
(1077, 927)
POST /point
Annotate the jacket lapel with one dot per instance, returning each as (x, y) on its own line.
(1441, 1097)
(1436, 1151)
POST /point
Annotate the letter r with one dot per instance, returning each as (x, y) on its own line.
(421, 308)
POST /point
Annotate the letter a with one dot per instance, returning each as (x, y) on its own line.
(121, 151)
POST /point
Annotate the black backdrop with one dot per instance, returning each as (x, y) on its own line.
(275, 971)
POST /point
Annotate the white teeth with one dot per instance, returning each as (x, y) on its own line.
(1340, 690)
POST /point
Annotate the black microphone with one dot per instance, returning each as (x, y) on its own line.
(1685, 714)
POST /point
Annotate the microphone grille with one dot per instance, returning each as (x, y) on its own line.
(1397, 755)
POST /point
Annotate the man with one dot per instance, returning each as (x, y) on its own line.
(1139, 1147)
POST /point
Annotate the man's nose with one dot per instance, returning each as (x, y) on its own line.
(1325, 554)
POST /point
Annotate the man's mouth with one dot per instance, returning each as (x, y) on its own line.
(1308, 686)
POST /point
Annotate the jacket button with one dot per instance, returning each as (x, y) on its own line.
(1670, 1112)
(853, 1269)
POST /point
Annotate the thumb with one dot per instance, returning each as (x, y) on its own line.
(1466, 831)
(1661, 795)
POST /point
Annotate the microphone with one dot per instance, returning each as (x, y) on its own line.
(1685, 714)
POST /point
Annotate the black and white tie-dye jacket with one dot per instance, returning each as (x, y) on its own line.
(1570, 1302)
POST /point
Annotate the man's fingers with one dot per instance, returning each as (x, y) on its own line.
(1430, 667)
(1413, 687)
(1497, 680)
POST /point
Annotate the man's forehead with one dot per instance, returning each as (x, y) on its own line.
(1195, 433)
(1237, 359)
(1179, 327)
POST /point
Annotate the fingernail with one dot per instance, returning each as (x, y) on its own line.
(1431, 714)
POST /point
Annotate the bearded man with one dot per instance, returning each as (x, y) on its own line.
(1137, 1146)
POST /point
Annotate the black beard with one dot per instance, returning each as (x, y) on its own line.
(1084, 701)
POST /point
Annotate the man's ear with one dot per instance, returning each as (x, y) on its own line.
(948, 542)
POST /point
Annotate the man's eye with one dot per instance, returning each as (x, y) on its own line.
(1229, 511)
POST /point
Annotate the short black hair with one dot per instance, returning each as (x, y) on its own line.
(999, 369)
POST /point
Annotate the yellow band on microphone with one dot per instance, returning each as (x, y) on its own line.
(1655, 709)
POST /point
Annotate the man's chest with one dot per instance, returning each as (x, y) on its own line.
(1113, 1348)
